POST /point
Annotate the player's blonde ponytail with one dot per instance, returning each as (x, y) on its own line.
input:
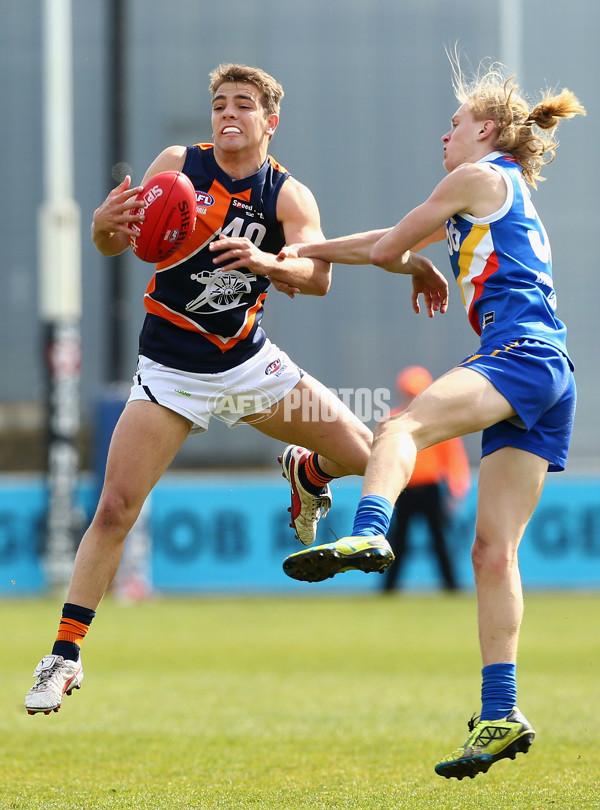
(527, 134)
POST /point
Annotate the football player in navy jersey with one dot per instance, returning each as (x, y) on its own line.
(203, 351)
(518, 388)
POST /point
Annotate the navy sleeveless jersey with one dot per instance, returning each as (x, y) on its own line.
(200, 316)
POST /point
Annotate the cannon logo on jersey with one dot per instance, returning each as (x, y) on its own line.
(223, 290)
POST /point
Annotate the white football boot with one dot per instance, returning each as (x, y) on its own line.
(54, 676)
(306, 509)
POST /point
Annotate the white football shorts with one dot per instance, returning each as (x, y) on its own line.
(252, 387)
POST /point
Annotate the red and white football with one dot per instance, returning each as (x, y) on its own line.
(169, 200)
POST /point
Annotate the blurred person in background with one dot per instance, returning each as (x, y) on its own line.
(440, 479)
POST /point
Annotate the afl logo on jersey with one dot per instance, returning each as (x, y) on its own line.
(204, 200)
(274, 367)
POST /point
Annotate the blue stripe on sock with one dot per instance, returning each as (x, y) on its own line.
(373, 516)
(498, 690)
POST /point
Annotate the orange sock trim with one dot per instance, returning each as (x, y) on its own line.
(315, 476)
(72, 630)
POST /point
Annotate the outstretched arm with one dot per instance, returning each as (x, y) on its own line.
(353, 249)
(358, 248)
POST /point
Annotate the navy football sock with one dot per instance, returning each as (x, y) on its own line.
(73, 627)
(311, 476)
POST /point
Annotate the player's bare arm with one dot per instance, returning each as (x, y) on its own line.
(352, 249)
(299, 216)
(170, 159)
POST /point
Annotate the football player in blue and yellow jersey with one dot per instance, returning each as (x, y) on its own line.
(518, 388)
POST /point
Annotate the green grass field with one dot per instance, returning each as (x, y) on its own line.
(318, 702)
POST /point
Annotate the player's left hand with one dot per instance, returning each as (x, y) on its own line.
(238, 252)
(282, 287)
(430, 283)
(434, 292)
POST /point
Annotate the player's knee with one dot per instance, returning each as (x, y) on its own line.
(492, 557)
(116, 513)
(398, 425)
(397, 434)
(383, 430)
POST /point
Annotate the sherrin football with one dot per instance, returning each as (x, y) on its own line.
(169, 200)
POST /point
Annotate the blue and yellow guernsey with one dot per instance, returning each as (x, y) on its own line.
(202, 317)
(503, 266)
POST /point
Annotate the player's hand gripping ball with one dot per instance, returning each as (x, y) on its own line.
(169, 201)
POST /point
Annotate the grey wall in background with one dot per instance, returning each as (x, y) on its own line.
(368, 96)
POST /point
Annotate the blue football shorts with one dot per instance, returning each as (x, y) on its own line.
(537, 379)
